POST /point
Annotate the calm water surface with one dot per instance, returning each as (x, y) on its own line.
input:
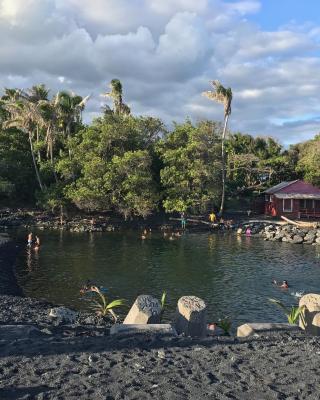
(233, 275)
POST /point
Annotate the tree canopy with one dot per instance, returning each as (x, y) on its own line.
(133, 165)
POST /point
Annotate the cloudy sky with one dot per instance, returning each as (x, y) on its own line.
(166, 51)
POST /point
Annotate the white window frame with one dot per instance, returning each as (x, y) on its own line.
(291, 205)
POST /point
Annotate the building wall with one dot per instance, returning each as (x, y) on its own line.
(275, 208)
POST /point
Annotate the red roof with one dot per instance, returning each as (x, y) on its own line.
(293, 189)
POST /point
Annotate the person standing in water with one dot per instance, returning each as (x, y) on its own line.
(183, 220)
(29, 239)
(37, 246)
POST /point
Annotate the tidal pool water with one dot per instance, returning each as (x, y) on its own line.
(232, 274)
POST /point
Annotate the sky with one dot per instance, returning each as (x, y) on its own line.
(165, 52)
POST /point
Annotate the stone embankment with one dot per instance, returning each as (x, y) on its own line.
(284, 233)
(9, 219)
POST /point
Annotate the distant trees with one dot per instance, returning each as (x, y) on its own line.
(115, 166)
(134, 165)
(308, 164)
(191, 173)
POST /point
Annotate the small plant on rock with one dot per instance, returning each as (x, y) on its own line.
(293, 313)
(163, 304)
(102, 307)
(225, 325)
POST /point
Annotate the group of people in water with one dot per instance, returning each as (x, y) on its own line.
(35, 243)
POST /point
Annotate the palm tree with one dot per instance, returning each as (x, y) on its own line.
(24, 115)
(222, 95)
(69, 107)
(119, 107)
(38, 94)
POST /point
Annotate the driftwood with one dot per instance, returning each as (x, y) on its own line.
(300, 223)
(261, 221)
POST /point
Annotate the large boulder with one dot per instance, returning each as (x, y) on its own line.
(63, 314)
(145, 310)
(297, 239)
(311, 302)
(190, 317)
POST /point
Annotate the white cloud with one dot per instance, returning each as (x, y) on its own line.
(165, 52)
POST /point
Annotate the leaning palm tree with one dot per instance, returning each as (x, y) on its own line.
(119, 107)
(222, 95)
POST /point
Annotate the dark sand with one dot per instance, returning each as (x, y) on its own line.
(83, 362)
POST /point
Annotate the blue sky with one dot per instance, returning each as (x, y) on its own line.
(165, 52)
(276, 13)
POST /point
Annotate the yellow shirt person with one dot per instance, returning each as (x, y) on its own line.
(212, 217)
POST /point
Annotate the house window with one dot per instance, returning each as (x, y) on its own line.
(267, 198)
(302, 203)
(309, 205)
(287, 205)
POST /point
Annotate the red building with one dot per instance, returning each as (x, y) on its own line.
(296, 199)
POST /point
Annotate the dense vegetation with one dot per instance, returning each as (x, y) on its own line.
(132, 165)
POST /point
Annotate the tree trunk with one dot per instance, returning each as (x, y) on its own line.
(223, 157)
(39, 155)
(35, 164)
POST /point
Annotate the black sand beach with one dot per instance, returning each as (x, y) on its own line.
(43, 360)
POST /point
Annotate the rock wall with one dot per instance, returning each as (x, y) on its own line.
(284, 233)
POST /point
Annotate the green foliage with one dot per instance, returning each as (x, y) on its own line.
(52, 197)
(163, 304)
(191, 172)
(225, 324)
(132, 165)
(102, 307)
(309, 161)
(16, 171)
(293, 313)
(114, 165)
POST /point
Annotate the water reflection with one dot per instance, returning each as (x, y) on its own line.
(233, 274)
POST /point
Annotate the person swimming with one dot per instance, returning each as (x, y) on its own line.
(283, 285)
(90, 286)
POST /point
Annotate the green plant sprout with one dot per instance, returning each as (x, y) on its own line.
(225, 325)
(102, 307)
(293, 313)
(163, 304)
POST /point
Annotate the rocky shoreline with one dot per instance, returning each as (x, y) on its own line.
(284, 233)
